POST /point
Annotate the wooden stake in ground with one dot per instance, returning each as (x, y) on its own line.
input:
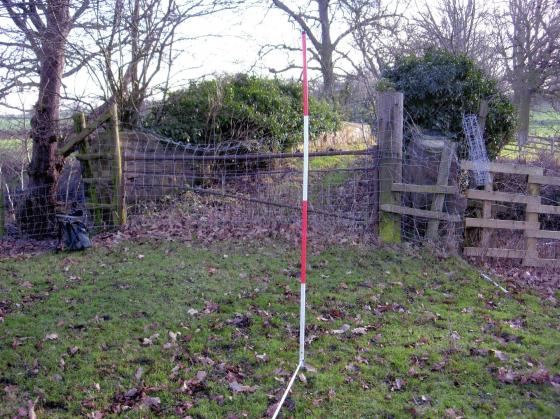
(118, 185)
(390, 140)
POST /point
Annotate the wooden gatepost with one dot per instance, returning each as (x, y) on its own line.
(2, 209)
(390, 141)
(102, 167)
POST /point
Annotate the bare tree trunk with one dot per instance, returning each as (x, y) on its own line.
(44, 170)
(527, 40)
(523, 103)
(130, 100)
(327, 66)
(330, 26)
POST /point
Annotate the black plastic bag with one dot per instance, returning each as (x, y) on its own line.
(72, 233)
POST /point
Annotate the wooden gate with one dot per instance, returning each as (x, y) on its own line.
(530, 227)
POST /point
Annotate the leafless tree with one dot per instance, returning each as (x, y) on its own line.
(378, 43)
(35, 52)
(528, 40)
(458, 26)
(136, 40)
(47, 40)
(331, 26)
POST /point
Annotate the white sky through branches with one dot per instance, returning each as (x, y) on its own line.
(227, 42)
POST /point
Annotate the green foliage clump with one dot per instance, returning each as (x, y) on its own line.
(242, 108)
(440, 87)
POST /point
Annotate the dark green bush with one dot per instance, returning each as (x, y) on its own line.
(240, 108)
(440, 87)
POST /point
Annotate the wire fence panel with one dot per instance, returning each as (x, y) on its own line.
(255, 185)
(386, 175)
(341, 185)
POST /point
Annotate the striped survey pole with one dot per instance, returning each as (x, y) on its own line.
(303, 273)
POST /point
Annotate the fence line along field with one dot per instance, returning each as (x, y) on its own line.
(389, 187)
(200, 223)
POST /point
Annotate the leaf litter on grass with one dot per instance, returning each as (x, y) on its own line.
(430, 351)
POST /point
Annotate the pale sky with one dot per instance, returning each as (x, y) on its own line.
(235, 49)
(240, 34)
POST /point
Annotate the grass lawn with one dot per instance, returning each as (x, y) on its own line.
(173, 329)
(10, 144)
(545, 122)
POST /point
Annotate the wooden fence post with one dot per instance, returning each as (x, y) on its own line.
(390, 141)
(87, 174)
(533, 189)
(487, 212)
(482, 115)
(118, 197)
(447, 153)
(489, 186)
(2, 209)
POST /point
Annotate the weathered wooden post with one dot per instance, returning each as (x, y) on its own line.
(489, 186)
(118, 196)
(2, 209)
(531, 217)
(447, 154)
(390, 142)
(88, 179)
(483, 110)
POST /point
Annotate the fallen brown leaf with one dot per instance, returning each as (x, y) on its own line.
(240, 388)
(345, 328)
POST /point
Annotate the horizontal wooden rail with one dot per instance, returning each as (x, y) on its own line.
(494, 253)
(545, 180)
(94, 156)
(500, 224)
(541, 263)
(435, 189)
(544, 209)
(543, 234)
(502, 197)
(540, 137)
(508, 168)
(436, 215)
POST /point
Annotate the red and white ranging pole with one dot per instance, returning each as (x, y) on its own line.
(303, 273)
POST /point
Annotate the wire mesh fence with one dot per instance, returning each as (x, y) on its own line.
(156, 171)
(267, 185)
(378, 180)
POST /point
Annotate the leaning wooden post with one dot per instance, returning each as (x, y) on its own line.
(483, 110)
(118, 196)
(390, 141)
(447, 154)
